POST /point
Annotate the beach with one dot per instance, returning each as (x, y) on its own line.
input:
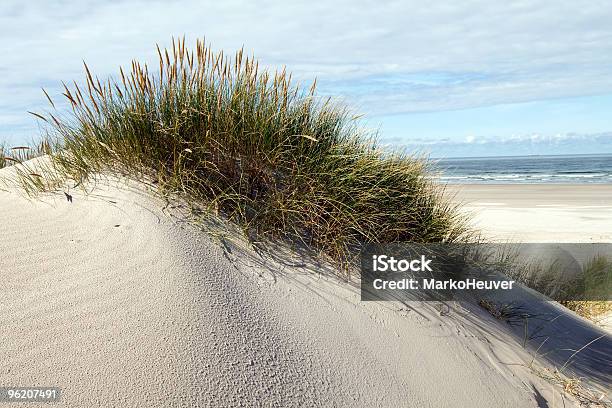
(538, 212)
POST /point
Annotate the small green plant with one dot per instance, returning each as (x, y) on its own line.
(253, 147)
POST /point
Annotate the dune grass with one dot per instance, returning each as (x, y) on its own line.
(595, 283)
(19, 154)
(587, 292)
(252, 146)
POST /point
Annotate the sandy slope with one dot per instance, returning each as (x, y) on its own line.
(119, 304)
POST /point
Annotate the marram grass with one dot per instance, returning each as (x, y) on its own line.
(252, 146)
(20, 154)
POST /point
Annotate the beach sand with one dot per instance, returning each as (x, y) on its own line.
(120, 304)
(562, 213)
(539, 212)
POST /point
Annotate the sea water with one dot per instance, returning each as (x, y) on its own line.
(592, 168)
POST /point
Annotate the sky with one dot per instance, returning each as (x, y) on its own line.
(448, 78)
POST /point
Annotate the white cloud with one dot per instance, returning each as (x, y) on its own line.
(563, 143)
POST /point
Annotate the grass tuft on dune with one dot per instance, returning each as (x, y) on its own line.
(252, 146)
(20, 154)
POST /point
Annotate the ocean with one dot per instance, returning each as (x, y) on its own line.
(591, 168)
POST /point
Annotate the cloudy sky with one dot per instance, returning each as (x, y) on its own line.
(452, 78)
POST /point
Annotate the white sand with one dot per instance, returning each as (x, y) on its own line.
(539, 212)
(119, 305)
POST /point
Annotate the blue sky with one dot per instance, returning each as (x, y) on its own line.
(449, 78)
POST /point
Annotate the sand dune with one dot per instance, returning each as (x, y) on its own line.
(119, 304)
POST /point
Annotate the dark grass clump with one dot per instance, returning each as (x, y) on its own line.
(253, 147)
